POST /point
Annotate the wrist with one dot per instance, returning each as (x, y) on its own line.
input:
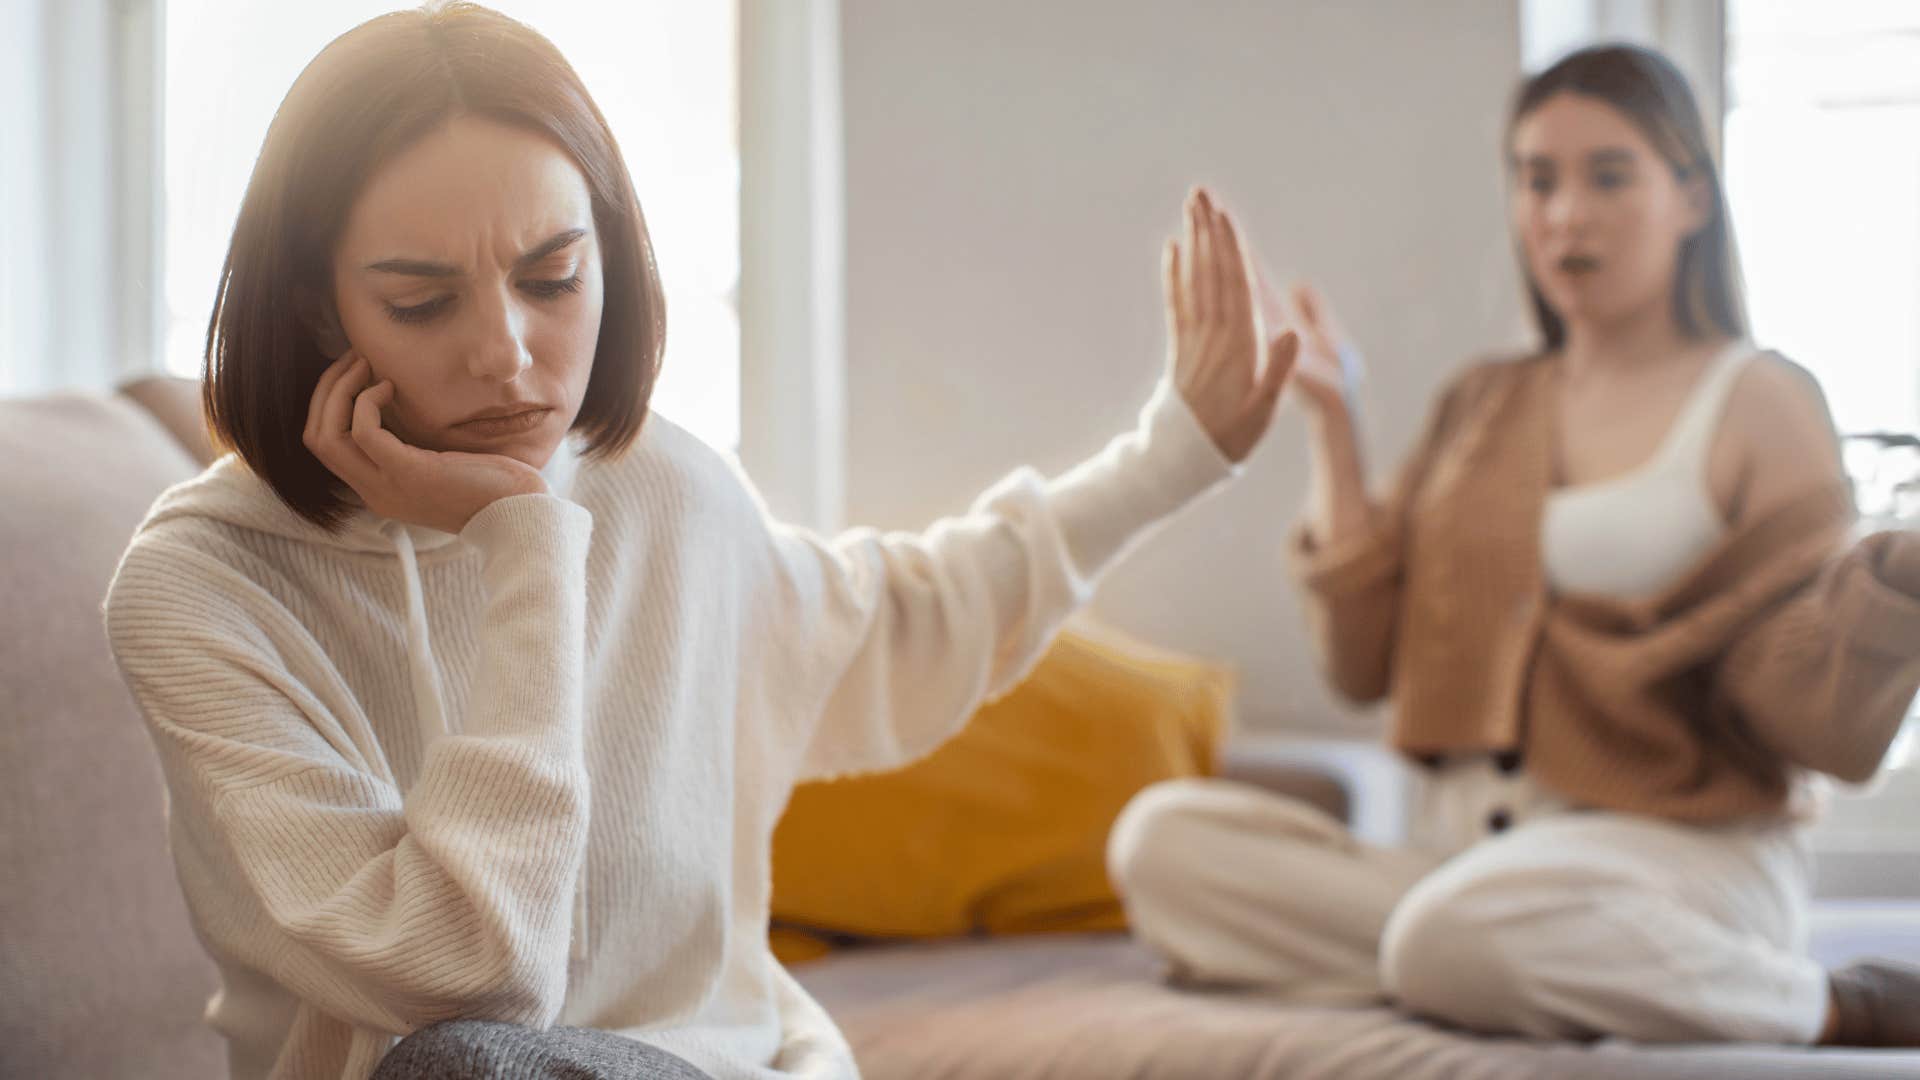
(1331, 423)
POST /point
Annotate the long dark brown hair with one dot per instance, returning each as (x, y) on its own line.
(367, 96)
(1651, 93)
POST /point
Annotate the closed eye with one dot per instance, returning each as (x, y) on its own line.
(418, 313)
(552, 288)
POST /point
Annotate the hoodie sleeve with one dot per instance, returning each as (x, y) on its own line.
(299, 855)
(908, 633)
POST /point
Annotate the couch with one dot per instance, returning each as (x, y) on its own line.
(101, 977)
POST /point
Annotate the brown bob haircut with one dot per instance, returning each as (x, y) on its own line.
(367, 96)
(1646, 88)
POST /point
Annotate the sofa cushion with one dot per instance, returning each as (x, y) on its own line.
(1077, 1006)
(1004, 828)
(100, 974)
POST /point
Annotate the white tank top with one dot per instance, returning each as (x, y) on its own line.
(1636, 534)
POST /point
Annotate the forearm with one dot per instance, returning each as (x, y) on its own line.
(918, 629)
(1338, 507)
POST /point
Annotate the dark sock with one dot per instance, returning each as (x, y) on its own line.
(1877, 1003)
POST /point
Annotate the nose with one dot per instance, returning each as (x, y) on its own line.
(499, 349)
(1568, 208)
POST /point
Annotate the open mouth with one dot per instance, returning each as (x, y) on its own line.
(1576, 265)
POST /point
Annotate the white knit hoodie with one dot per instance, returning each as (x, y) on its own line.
(531, 772)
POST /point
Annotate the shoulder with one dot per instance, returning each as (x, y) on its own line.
(184, 580)
(1776, 411)
(1486, 381)
(1776, 434)
(1774, 394)
(670, 477)
(175, 607)
(201, 563)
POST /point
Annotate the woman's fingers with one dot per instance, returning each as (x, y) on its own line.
(330, 442)
(1307, 299)
(1236, 304)
(382, 447)
(1199, 258)
(1283, 353)
(1316, 318)
(1218, 302)
(336, 413)
(316, 405)
(1273, 309)
(1174, 275)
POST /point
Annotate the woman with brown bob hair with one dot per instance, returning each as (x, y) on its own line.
(478, 691)
(1615, 600)
(357, 105)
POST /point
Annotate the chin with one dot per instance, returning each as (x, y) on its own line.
(533, 450)
(535, 456)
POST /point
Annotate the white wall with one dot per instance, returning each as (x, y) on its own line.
(1011, 171)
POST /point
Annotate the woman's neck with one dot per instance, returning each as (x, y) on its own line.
(1647, 339)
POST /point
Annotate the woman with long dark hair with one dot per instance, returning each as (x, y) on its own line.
(478, 690)
(1613, 598)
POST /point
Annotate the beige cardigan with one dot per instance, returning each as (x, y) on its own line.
(1784, 647)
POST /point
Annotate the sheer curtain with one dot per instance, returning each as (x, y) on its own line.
(79, 123)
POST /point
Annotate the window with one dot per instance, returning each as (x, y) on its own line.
(1823, 178)
(1823, 175)
(664, 73)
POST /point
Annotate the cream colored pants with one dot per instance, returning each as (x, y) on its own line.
(1561, 924)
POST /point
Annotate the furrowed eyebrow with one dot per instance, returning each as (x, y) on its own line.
(413, 268)
(428, 269)
(557, 242)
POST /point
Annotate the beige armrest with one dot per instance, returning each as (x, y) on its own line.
(175, 403)
(1322, 787)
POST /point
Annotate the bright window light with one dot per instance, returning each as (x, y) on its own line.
(1823, 175)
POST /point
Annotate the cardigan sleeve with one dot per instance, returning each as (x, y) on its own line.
(1351, 591)
(1827, 676)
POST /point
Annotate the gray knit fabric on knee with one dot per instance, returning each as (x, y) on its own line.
(1878, 1002)
(489, 1050)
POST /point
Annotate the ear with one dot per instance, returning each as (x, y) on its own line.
(322, 321)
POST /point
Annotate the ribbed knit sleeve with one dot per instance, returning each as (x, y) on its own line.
(302, 858)
(908, 633)
(1826, 678)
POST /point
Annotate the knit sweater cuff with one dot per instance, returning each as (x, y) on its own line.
(1109, 500)
(1883, 596)
(545, 529)
(534, 563)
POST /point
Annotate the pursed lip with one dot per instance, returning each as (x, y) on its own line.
(503, 412)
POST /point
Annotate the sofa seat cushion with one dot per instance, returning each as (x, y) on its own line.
(1076, 1007)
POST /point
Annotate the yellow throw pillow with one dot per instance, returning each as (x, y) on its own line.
(1004, 828)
